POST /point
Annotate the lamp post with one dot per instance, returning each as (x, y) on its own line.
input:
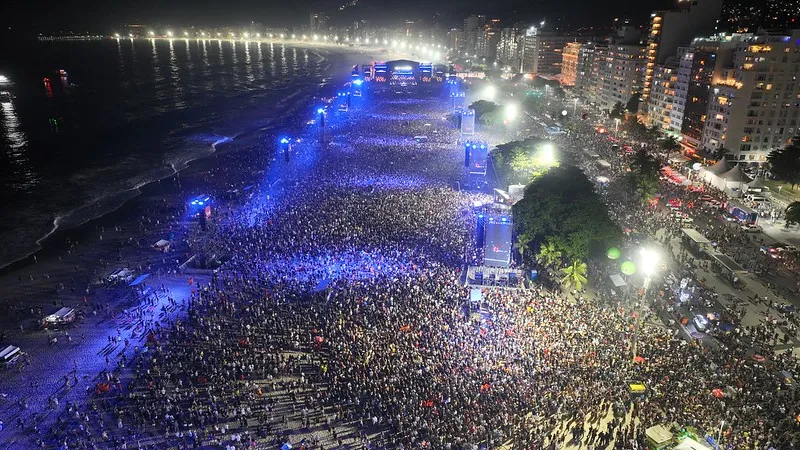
(648, 262)
(616, 127)
(575, 106)
(719, 433)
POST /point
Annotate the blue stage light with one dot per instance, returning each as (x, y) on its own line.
(357, 82)
(321, 111)
(284, 140)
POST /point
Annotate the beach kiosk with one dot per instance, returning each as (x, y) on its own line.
(659, 437)
(9, 355)
(60, 318)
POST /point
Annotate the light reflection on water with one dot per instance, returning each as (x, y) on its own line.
(22, 175)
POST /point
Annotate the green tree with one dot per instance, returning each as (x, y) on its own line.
(516, 162)
(636, 127)
(785, 164)
(486, 112)
(644, 165)
(618, 111)
(793, 213)
(654, 132)
(670, 144)
(574, 275)
(562, 206)
(633, 103)
(549, 255)
(523, 241)
(646, 188)
(721, 153)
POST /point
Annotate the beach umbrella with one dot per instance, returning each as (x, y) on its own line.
(717, 393)
(759, 358)
(613, 253)
(638, 359)
(697, 335)
(628, 268)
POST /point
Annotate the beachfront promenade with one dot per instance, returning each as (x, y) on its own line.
(338, 322)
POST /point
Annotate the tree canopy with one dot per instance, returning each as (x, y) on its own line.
(562, 207)
(486, 112)
(618, 111)
(518, 162)
(785, 164)
(793, 213)
(643, 176)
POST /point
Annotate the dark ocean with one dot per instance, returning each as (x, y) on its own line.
(129, 112)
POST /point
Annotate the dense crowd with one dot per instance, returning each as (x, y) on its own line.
(340, 321)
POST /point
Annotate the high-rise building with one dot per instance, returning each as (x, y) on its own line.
(473, 27)
(698, 66)
(585, 70)
(541, 51)
(666, 103)
(671, 29)
(569, 63)
(488, 40)
(455, 41)
(508, 46)
(615, 74)
(317, 22)
(753, 106)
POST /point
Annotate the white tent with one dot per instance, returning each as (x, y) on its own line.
(757, 186)
(730, 180)
(691, 444)
(720, 167)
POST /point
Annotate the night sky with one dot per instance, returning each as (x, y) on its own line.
(95, 15)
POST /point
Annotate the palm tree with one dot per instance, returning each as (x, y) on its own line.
(574, 275)
(548, 255)
(670, 144)
(646, 188)
(523, 240)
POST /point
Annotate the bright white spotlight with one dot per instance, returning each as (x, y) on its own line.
(511, 111)
(649, 261)
(548, 154)
(489, 92)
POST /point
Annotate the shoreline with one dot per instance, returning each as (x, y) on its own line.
(50, 243)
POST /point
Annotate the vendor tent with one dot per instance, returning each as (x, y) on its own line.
(720, 167)
(730, 180)
(757, 185)
(690, 444)
(617, 280)
(658, 436)
(736, 175)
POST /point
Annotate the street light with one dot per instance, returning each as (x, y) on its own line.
(489, 92)
(511, 112)
(648, 262)
(547, 154)
(616, 127)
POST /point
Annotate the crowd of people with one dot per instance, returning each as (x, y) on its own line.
(340, 320)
